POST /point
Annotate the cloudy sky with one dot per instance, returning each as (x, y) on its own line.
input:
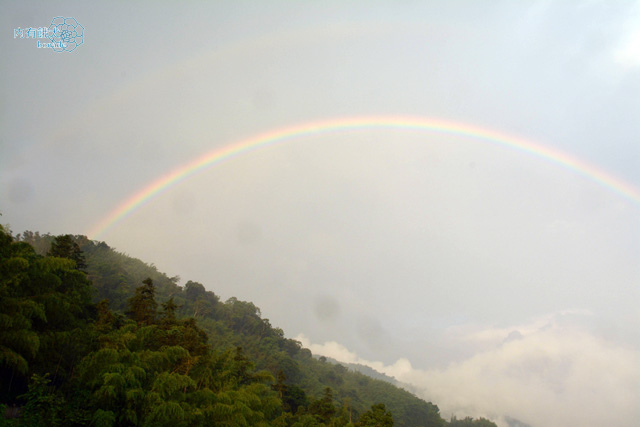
(495, 281)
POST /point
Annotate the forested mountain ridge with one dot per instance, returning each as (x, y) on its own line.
(158, 353)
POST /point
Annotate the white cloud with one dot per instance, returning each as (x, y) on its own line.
(627, 54)
(400, 369)
(551, 374)
(490, 337)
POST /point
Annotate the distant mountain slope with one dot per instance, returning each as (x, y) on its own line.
(512, 422)
(366, 370)
(235, 323)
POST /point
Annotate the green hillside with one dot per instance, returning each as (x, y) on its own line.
(89, 335)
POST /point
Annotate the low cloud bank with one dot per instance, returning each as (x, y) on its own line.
(545, 373)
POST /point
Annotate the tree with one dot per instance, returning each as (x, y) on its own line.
(43, 406)
(44, 304)
(323, 409)
(106, 319)
(169, 312)
(377, 416)
(294, 398)
(64, 246)
(193, 290)
(18, 341)
(280, 387)
(470, 422)
(143, 306)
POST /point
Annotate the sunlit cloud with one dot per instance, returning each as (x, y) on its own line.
(627, 53)
(551, 374)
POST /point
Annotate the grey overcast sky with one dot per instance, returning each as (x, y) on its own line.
(493, 281)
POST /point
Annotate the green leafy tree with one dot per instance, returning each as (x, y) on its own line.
(107, 320)
(45, 303)
(280, 387)
(323, 409)
(193, 290)
(143, 306)
(470, 422)
(19, 341)
(294, 398)
(64, 246)
(168, 315)
(43, 405)
(377, 416)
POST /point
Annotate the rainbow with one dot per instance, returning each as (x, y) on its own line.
(279, 136)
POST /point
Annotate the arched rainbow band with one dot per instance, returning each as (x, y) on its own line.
(282, 135)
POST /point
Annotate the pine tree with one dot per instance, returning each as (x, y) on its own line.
(143, 306)
(64, 246)
(377, 416)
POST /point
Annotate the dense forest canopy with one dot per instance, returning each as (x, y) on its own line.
(91, 336)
